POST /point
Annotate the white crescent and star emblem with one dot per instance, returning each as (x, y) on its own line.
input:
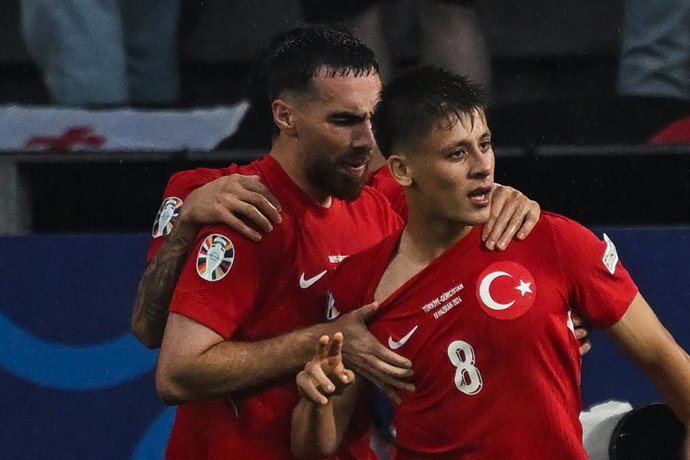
(510, 298)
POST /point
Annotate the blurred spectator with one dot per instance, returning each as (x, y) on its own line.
(449, 32)
(105, 52)
(655, 54)
(654, 68)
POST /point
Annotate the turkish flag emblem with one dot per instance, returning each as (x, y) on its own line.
(506, 290)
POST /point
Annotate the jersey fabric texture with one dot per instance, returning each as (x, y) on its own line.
(497, 367)
(382, 180)
(248, 291)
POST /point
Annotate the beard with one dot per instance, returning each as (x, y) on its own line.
(332, 179)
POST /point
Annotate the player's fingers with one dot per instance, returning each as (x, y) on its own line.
(512, 226)
(321, 349)
(498, 200)
(501, 223)
(585, 348)
(581, 333)
(319, 378)
(390, 375)
(578, 321)
(250, 212)
(237, 225)
(309, 390)
(397, 364)
(346, 376)
(263, 205)
(530, 220)
(336, 346)
(254, 184)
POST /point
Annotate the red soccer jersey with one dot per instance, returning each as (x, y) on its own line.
(382, 180)
(497, 368)
(183, 183)
(250, 291)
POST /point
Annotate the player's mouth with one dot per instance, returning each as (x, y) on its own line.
(355, 165)
(480, 196)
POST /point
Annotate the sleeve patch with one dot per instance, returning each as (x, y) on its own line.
(166, 217)
(610, 259)
(215, 258)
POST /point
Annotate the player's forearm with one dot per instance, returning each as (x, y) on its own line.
(229, 366)
(157, 285)
(314, 433)
(646, 341)
(671, 375)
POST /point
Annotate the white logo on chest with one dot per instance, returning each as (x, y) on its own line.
(395, 344)
(306, 283)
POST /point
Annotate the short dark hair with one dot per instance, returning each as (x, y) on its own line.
(292, 61)
(414, 102)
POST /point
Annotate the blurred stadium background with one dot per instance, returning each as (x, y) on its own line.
(79, 190)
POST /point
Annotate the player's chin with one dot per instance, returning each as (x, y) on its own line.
(478, 215)
(347, 187)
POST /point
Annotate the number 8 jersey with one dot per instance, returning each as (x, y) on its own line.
(496, 362)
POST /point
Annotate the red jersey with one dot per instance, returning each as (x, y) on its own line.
(249, 291)
(382, 180)
(183, 183)
(497, 367)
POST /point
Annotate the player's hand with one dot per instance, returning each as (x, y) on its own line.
(582, 330)
(511, 213)
(325, 375)
(226, 199)
(369, 358)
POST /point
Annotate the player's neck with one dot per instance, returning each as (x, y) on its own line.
(429, 237)
(284, 152)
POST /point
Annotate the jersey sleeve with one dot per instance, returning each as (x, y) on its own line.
(599, 286)
(223, 277)
(179, 186)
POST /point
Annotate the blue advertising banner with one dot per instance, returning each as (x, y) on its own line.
(76, 384)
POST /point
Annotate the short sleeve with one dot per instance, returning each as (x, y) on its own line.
(179, 186)
(222, 278)
(599, 286)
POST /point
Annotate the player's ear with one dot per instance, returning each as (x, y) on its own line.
(284, 116)
(400, 169)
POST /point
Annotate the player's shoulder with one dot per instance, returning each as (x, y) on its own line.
(359, 266)
(374, 204)
(272, 244)
(557, 223)
(371, 196)
(182, 183)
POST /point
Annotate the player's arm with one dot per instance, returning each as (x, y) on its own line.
(511, 213)
(196, 363)
(220, 201)
(328, 394)
(640, 334)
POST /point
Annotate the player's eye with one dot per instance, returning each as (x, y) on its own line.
(461, 153)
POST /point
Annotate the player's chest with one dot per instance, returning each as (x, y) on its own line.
(496, 303)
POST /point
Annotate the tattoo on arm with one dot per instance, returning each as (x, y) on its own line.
(156, 288)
